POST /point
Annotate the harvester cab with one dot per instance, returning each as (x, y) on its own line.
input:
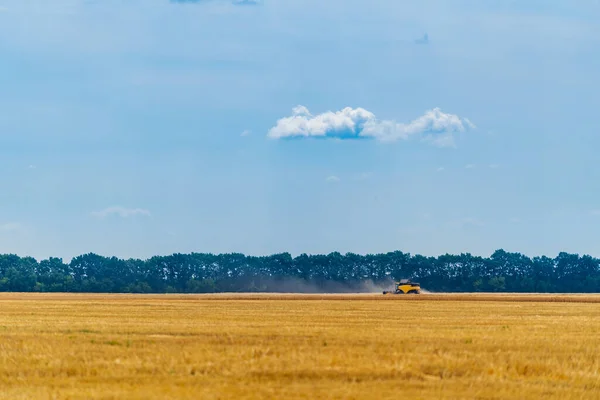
(405, 286)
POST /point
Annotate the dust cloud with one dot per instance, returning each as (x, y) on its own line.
(296, 285)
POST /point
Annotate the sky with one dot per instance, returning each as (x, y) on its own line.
(149, 127)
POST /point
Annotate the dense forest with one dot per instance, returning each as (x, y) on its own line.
(334, 272)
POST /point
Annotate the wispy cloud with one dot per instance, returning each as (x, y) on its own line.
(332, 178)
(470, 166)
(468, 122)
(122, 212)
(435, 126)
(440, 169)
(246, 133)
(10, 227)
(494, 166)
(55, 8)
(363, 176)
(471, 222)
(235, 2)
(423, 40)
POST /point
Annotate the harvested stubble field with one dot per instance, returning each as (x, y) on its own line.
(70, 346)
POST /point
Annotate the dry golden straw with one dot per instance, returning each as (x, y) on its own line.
(74, 346)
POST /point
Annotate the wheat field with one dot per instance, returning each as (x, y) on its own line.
(70, 346)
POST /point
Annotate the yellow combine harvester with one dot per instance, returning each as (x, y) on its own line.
(405, 286)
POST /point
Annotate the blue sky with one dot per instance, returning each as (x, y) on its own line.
(143, 127)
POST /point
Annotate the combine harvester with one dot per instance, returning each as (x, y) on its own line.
(405, 286)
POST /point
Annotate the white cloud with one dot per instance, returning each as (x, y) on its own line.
(332, 178)
(246, 133)
(470, 166)
(469, 123)
(595, 212)
(121, 212)
(494, 166)
(436, 126)
(440, 169)
(334, 124)
(300, 110)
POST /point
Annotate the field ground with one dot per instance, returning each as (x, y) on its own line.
(285, 346)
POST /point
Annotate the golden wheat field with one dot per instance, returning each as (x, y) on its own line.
(69, 346)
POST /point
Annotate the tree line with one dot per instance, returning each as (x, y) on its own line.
(208, 273)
